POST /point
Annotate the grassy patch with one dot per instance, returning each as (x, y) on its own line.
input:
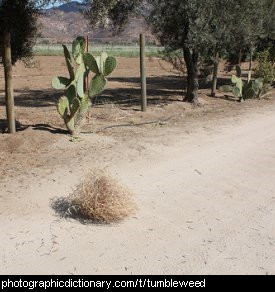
(115, 50)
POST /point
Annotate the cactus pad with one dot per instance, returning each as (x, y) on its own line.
(85, 104)
(91, 63)
(75, 107)
(109, 66)
(68, 62)
(97, 85)
(71, 92)
(79, 45)
(60, 82)
(101, 61)
(236, 91)
(239, 71)
(63, 106)
(249, 93)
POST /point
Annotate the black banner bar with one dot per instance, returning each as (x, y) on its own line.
(119, 282)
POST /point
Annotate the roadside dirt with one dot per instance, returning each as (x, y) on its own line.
(204, 181)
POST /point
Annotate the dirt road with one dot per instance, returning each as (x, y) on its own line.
(206, 206)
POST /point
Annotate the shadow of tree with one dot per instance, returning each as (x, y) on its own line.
(163, 89)
(34, 98)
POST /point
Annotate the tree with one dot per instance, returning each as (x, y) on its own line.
(221, 34)
(18, 31)
(19, 17)
(253, 28)
(178, 24)
(199, 28)
(267, 39)
(238, 24)
(250, 15)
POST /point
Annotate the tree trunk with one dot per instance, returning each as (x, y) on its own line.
(240, 56)
(8, 83)
(191, 60)
(250, 63)
(215, 75)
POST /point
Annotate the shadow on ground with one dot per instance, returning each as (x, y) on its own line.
(49, 128)
(160, 90)
(4, 126)
(37, 127)
(33, 98)
(64, 208)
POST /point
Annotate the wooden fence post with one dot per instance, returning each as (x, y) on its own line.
(143, 74)
(9, 95)
(87, 78)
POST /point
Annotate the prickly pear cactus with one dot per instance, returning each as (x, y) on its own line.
(102, 66)
(243, 90)
(74, 105)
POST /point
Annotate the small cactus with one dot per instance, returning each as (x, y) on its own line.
(69, 105)
(74, 105)
(243, 90)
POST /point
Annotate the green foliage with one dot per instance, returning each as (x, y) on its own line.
(208, 26)
(74, 105)
(200, 28)
(266, 68)
(19, 18)
(243, 90)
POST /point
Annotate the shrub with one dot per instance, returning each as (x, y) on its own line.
(266, 68)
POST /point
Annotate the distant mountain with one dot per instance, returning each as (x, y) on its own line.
(73, 6)
(65, 22)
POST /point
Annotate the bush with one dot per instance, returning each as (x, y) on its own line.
(101, 198)
(265, 68)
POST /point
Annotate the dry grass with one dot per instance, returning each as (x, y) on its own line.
(101, 198)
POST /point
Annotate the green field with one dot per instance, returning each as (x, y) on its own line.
(113, 50)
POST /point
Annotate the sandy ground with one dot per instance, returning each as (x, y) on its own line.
(206, 206)
(204, 182)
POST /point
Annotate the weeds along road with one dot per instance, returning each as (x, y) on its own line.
(206, 206)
